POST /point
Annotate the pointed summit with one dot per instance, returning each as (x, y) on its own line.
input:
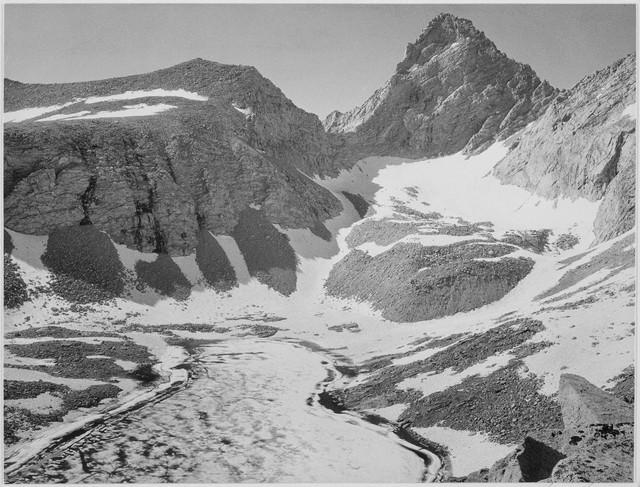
(442, 32)
(454, 90)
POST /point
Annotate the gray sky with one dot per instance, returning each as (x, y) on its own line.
(323, 57)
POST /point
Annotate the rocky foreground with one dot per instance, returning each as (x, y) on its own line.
(594, 445)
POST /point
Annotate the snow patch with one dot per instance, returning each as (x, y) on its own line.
(29, 113)
(431, 382)
(468, 451)
(139, 110)
(159, 92)
(247, 112)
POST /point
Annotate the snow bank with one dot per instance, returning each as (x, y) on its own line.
(143, 109)
(29, 113)
(468, 451)
(139, 110)
(464, 187)
(158, 92)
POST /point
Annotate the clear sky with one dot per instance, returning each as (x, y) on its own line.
(323, 57)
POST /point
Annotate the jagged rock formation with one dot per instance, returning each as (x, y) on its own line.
(584, 146)
(410, 282)
(153, 182)
(454, 90)
(596, 444)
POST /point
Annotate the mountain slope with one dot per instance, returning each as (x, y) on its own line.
(454, 90)
(153, 158)
(584, 146)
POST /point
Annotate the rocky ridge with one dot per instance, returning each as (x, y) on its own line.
(153, 182)
(454, 90)
(584, 145)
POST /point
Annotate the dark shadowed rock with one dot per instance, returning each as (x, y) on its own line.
(214, 263)
(267, 252)
(8, 243)
(164, 276)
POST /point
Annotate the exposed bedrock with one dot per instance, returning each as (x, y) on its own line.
(584, 145)
(410, 282)
(596, 444)
(153, 182)
(454, 90)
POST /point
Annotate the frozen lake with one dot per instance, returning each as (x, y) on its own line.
(247, 417)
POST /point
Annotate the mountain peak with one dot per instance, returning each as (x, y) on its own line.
(441, 33)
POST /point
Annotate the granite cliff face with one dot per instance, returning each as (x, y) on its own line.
(584, 146)
(152, 182)
(454, 90)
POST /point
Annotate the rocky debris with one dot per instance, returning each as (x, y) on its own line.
(381, 232)
(19, 420)
(15, 289)
(153, 182)
(454, 90)
(405, 212)
(72, 357)
(458, 354)
(261, 331)
(350, 327)
(566, 241)
(584, 146)
(410, 282)
(214, 263)
(164, 276)
(582, 451)
(504, 404)
(624, 387)
(57, 332)
(618, 257)
(599, 453)
(359, 203)
(534, 240)
(267, 252)
(83, 259)
(584, 404)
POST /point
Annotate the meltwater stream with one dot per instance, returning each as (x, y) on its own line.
(245, 418)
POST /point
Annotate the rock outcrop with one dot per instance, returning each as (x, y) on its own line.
(153, 182)
(596, 444)
(454, 90)
(584, 146)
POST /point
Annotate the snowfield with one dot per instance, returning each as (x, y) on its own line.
(139, 110)
(590, 323)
